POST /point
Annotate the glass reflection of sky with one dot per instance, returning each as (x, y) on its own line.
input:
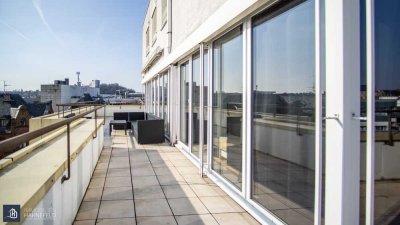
(278, 45)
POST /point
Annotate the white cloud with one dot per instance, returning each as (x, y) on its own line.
(37, 5)
(15, 31)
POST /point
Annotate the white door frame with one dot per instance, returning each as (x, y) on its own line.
(342, 41)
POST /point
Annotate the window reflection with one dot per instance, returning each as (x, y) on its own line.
(227, 107)
(387, 113)
(205, 102)
(283, 127)
(195, 104)
(184, 103)
(165, 105)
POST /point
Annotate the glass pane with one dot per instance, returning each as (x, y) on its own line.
(205, 98)
(165, 116)
(227, 107)
(283, 124)
(184, 106)
(153, 96)
(195, 104)
(363, 112)
(160, 97)
(387, 110)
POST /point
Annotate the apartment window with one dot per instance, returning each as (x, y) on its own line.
(227, 106)
(283, 109)
(196, 104)
(147, 41)
(160, 95)
(165, 105)
(386, 174)
(164, 11)
(154, 96)
(154, 26)
(184, 103)
(205, 104)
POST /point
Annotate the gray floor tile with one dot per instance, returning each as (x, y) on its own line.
(117, 193)
(151, 192)
(178, 191)
(119, 173)
(85, 222)
(93, 194)
(235, 219)
(205, 190)
(171, 179)
(152, 207)
(116, 209)
(187, 206)
(206, 219)
(142, 182)
(99, 173)
(220, 204)
(118, 182)
(156, 220)
(102, 166)
(88, 211)
(120, 221)
(143, 171)
(164, 170)
(97, 182)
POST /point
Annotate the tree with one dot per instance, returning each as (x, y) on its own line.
(112, 88)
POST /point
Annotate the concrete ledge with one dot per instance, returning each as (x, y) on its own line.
(28, 149)
(27, 181)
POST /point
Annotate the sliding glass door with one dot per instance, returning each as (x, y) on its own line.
(227, 108)
(184, 103)
(195, 104)
(165, 103)
(380, 152)
(283, 109)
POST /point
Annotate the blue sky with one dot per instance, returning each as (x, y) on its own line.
(44, 40)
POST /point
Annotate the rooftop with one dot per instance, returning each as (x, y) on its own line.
(153, 184)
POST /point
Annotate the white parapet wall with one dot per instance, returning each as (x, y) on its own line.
(34, 181)
(63, 199)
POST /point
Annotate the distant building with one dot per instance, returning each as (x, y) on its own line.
(62, 92)
(15, 113)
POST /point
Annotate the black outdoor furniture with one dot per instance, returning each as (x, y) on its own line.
(147, 128)
(118, 123)
(128, 117)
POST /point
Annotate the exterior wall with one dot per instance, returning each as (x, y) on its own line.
(51, 92)
(330, 148)
(60, 94)
(4, 108)
(187, 16)
(65, 198)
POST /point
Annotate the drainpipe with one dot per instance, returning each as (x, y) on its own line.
(169, 21)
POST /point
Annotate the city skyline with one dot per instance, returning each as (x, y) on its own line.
(45, 40)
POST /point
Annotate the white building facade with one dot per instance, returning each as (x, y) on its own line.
(65, 93)
(290, 106)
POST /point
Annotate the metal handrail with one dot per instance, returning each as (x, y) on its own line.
(17, 141)
(77, 104)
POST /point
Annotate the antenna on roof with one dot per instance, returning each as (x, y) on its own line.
(79, 83)
(5, 85)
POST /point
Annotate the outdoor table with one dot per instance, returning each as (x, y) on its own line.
(117, 122)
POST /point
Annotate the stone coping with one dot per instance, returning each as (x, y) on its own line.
(26, 181)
